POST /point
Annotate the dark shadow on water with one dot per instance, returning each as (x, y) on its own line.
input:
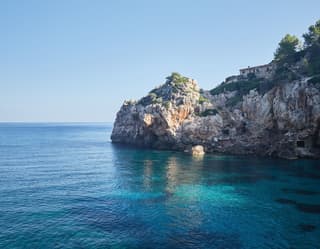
(109, 215)
(196, 238)
(303, 207)
(285, 201)
(307, 227)
(309, 175)
(122, 218)
(299, 191)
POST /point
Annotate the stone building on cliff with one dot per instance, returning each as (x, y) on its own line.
(265, 71)
(262, 71)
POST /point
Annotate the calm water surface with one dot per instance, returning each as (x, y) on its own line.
(67, 186)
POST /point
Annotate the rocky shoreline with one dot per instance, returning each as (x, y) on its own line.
(283, 122)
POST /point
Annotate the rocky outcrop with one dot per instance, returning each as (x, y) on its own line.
(154, 120)
(283, 121)
(197, 150)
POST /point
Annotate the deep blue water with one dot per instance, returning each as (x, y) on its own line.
(67, 186)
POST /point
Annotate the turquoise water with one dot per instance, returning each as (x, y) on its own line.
(67, 186)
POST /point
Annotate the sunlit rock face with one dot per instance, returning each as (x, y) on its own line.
(154, 120)
(283, 122)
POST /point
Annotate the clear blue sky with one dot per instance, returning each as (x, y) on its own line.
(76, 60)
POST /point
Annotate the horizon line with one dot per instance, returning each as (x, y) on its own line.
(64, 122)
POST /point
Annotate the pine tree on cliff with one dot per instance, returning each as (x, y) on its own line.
(288, 46)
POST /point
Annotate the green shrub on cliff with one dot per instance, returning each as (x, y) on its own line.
(177, 78)
(153, 95)
(243, 86)
(149, 99)
(208, 112)
(158, 100)
(166, 104)
(202, 99)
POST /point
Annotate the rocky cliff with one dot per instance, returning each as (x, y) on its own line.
(259, 118)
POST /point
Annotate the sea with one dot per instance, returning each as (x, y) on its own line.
(65, 185)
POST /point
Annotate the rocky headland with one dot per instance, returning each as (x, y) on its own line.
(269, 110)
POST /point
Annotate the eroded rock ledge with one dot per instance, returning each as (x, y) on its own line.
(283, 121)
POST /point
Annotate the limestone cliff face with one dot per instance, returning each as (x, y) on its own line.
(283, 121)
(154, 120)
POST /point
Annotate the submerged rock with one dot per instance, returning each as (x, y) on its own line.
(283, 121)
